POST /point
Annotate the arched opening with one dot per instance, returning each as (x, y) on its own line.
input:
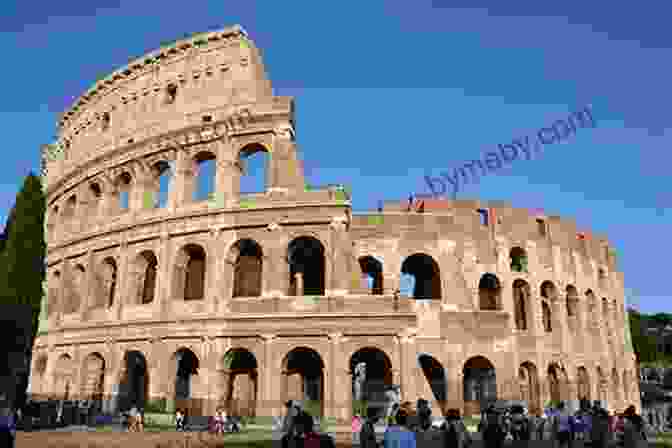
(76, 289)
(150, 264)
(372, 274)
(480, 385)
(95, 198)
(529, 387)
(306, 267)
(303, 379)
(38, 379)
(436, 377)
(583, 389)
(549, 298)
(187, 365)
(107, 283)
(371, 371)
(190, 273)
(247, 270)
(489, 293)
(124, 184)
(591, 300)
(54, 297)
(546, 316)
(556, 382)
(521, 300)
(70, 208)
(63, 376)
(518, 258)
(93, 379)
(253, 161)
(204, 176)
(572, 299)
(240, 377)
(52, 221)
(133, 381)
(157, 195)
(602, 279)
(426, 274)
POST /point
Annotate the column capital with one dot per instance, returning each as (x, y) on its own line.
(268, 338)
(335, 337)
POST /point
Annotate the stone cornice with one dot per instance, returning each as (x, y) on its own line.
(143, 64)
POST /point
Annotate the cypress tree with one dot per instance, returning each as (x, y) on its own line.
(25, 251)
(22, 270)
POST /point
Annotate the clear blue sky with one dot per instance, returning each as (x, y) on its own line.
(388, 91)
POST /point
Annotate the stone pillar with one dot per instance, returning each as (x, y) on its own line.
(277, 272)
(64, 294)
(298, 278)
(212, 285)
(123, 293)
(341, 257)
(227, 180)
(180, 181)
(284, 172)
(219, 293)
(162, 302)
(338, 390)
(409, 390)
(507, 303)
(269, 404)
(88, 292)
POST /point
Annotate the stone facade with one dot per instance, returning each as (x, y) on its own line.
(248, 300)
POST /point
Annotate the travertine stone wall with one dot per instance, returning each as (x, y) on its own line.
(98, 259)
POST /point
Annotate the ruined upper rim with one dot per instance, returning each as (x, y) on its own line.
(141, 62)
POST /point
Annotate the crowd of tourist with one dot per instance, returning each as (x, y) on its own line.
(497, 426)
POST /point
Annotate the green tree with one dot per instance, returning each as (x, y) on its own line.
(22, 263)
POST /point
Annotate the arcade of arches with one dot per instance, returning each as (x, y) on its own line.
(259, 375)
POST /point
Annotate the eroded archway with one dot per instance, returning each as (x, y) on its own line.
(530, 392)
(378, 379)
(133, 381)
(306, 258)
(240, 379)
(427, 276)
(489, 293)
(480, 384)
(303, 379)
(186, 365)
(93, 379)
(247, 259)
(436, 377)
(372, 274)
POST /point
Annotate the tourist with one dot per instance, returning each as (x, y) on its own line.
(492, 428)
(367, 435)
(424, 416)
(398, 435)
(599, 432)
(562, 426)
(634, 429)
(455, 433)
(7, 424)
(220, 421)
(520, 423)
(179, 420)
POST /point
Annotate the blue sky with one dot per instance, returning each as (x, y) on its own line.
(387, 93)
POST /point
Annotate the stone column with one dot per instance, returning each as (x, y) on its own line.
(178, 186)
(338, 388)
(64, 293)
(284, 172)
(212, 272)
(341, 248)
(507, 304)
(219, 293)
(409, 390)
(298, 278)
(122, 277)
(227, 179)
(162, 302)
(88, 296)
(277, 271)
(269, 404)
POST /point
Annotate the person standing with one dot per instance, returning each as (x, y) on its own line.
(492, 428)
(399, 436)
(455, 433)
(367, 435)
(599, 433)
(520, 424)
(562, 426)
(7, 424)
(634, 429)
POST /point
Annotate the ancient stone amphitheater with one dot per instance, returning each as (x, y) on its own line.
(248, 300)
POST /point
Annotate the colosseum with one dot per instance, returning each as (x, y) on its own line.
(210, 296)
